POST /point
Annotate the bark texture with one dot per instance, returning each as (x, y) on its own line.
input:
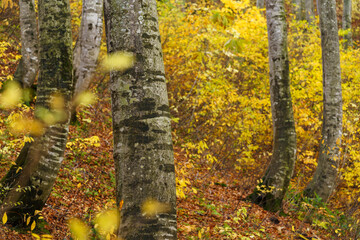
(28, 66)
(275, 182)
(304, 10)
(346, 23)
(324, 179)
(143, 151)
(88, 45)
(24, 191)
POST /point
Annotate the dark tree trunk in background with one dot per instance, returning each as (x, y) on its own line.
(324, 179)
(143, 151)
(270, 192)
(40, 160)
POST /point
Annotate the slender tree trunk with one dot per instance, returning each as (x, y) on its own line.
(299, 6)
(29, 63)
(270, 192)
(346, 23)
(143, 151)
(88, 45)
(324, 179)
(309, 10)
(40, 160)
(260, 3)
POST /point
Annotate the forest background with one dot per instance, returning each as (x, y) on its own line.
(216, 59)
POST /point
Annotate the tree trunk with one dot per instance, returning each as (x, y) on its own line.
(143, 151)
(270, 192)
(324, 179)
(29, 63)
(309, 11)
(88, 45)
(40, 160)
(346, 23)
(260, 3)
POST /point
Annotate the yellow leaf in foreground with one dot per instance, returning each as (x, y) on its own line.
(107, 222)
(79, 230)
(11, 95)
(152, 207)
(119, 61)
(4, 218)
(85, 98)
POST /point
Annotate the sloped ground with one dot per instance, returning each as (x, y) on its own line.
(213, 207)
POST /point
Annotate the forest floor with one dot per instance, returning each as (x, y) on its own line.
(213, 206)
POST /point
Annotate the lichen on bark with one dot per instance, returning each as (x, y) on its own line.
(273, 186)
(40, 160)
(143, 152)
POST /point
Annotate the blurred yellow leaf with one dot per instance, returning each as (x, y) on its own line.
(79, 230)
(85, 98)
(118, 61)
(57, 102)
(4, 218)
(152, 207)
(107, 222)
(24, 126)
(11, 95)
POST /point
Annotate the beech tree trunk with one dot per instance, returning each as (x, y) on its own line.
(28, 66)
(143, 151)
(309, 10)
(270, 192)
(324, 179)
(304, 10)
(40, 160)
(88, 45)
(260, 3)
(346, 23)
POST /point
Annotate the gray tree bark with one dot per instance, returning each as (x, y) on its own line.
(304, 10)
(143, 151)
(346, 23)
(28, 66)
(88, 45)
(270, 192)
(324, 179)
(309, 10)
(260, 3)
(40, 160)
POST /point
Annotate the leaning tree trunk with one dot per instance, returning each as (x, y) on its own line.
(346, 23)
(324, 179)
(29, 63)
(270, 192)
(88, 45)
(143, 151)
(39, 161)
